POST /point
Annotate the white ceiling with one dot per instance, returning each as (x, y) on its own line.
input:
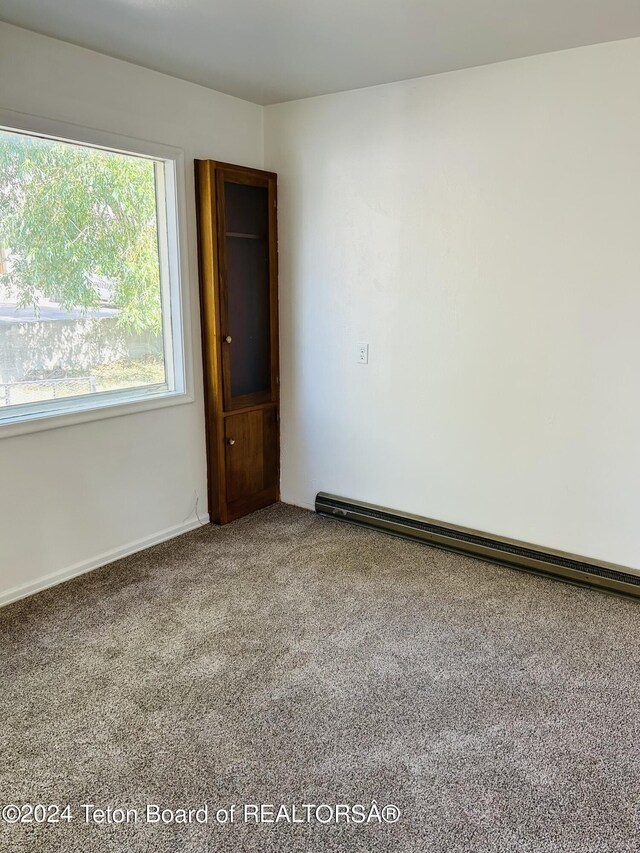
(278, 50)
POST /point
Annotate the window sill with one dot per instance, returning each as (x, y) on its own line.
(55, 419)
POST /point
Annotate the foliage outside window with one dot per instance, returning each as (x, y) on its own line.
(84, 304)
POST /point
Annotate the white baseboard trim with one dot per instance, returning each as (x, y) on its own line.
(55, 578)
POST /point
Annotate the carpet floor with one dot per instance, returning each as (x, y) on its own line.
(289, 659)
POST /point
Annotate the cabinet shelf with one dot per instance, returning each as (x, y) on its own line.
(246, 236)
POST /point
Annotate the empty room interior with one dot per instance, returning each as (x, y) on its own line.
(319, 426)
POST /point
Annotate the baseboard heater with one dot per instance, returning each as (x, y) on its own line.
(520, 555)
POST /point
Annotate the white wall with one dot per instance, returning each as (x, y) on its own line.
(481, 229)
(78, 496)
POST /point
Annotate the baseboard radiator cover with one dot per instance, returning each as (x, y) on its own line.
(559, 565)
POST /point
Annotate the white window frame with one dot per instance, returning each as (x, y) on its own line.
(34, 417)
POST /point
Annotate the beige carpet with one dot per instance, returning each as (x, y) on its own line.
(288, 659)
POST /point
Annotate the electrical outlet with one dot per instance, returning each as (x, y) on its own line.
(363, 353)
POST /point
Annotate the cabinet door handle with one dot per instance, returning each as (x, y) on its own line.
(228, 339)
(231, 441)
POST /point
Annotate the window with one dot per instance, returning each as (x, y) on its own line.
(89, 292)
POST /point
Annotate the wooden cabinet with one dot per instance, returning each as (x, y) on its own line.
(237, 220)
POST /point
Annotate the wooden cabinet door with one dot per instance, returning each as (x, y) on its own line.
(251, 458)
(247, 254)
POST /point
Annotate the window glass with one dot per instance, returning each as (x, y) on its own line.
(84, 305)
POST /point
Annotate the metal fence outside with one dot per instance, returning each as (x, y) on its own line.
(18, 393)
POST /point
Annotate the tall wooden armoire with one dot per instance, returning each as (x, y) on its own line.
(238, 250)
